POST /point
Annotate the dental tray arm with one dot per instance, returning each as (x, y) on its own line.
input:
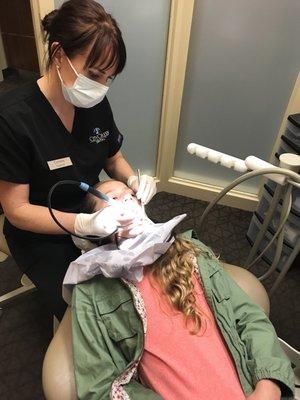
(251, 163)
(287, 175)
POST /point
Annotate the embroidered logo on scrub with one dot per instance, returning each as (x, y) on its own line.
(98, 136)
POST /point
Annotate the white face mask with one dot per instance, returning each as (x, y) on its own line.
(85, 92)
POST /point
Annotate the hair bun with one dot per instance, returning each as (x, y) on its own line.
(47, 21)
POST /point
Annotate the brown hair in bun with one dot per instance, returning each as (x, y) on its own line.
(78, 24)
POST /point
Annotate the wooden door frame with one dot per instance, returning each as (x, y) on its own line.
(39, 8)
(3, 63)
(177, 56)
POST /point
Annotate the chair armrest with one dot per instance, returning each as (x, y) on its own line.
(250, 284)
(58, 368)
(3, 244)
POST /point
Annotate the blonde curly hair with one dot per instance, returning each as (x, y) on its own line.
(173, 272)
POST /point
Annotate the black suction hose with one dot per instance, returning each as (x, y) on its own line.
(83, 186)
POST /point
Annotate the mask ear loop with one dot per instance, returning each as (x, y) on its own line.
(78, 75)
(59, 75)
(71, 65)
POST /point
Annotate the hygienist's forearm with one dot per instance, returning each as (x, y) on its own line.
(37, 219)
(118, 168)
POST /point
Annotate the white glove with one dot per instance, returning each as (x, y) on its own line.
(99, 223)
(145, 190)
(105, 222)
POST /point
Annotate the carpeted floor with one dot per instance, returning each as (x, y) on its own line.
(26, 327)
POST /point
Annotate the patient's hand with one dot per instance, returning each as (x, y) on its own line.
(265, 390)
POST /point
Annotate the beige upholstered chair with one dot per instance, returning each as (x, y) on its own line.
(58, 371)
(27, 285)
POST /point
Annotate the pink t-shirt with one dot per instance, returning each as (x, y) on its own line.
(181, 366)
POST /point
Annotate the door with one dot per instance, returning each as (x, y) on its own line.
(17, 34)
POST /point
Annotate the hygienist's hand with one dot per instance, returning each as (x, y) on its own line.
(101, 223)
(135, 228)
(265, 390)
(145, 190)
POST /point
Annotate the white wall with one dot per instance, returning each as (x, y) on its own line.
(244, 59)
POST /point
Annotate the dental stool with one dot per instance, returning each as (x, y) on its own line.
(58, 369)
(27, 285)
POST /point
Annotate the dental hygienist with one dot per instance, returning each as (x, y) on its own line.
(62, 127)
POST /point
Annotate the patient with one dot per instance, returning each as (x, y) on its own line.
(181, 330)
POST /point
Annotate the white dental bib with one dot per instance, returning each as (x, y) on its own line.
(127, 261)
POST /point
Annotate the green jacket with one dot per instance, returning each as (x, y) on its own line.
(108, 335)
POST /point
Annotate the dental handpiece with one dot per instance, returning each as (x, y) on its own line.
(139, 175)
(139, 181)
(87, 188)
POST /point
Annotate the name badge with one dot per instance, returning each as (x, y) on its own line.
(59, 163)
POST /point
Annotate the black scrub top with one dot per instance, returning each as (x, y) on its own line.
(37, 149)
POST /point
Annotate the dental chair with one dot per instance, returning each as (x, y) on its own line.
(27, 285)
(58, 370)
